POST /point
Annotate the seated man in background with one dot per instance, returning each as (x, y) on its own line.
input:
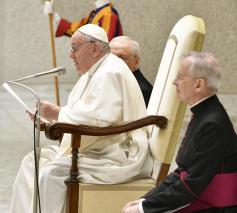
(206, 177)
(101, 97)
(129, 50)
(104, 15)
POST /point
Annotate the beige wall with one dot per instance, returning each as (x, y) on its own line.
(25, 47)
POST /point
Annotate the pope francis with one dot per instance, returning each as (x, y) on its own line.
(106, 94)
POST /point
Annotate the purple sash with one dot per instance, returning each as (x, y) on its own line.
(221, 192)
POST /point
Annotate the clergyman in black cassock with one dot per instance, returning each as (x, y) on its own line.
(208, 150)
(209, 147)
(129, 51)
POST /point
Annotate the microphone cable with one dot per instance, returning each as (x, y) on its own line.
(35, 158)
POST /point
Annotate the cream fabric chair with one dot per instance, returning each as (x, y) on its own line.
(187, 35)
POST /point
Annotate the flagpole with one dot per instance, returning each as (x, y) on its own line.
(56, 85)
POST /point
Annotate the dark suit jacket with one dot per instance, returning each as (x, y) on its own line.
(209, 147)
(144, 84)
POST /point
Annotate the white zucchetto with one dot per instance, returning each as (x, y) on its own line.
(94, 31)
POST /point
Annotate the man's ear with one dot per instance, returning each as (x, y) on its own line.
(95, 50)
(137, 61)
(200, 84)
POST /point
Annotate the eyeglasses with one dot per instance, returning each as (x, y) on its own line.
(74, 48)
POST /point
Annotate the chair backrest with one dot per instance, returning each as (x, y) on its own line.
(187, 35)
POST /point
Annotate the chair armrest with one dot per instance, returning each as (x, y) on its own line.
(43, 126)
(55, 131)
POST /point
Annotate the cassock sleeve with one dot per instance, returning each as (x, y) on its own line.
(209, 147)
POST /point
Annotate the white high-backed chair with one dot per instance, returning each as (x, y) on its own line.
(187, 35)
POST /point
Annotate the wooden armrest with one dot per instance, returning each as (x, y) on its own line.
(43, 126)
(55, 131)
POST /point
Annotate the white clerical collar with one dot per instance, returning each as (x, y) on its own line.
(96, 65)
(200, 101)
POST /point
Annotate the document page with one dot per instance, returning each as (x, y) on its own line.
(10, 90)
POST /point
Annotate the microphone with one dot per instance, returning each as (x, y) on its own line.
(55, 71)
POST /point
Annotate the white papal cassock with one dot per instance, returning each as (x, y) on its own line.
(107, 94)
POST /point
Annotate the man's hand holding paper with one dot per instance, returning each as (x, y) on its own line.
(48, 111)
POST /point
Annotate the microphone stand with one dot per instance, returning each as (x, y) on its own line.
(37, 142)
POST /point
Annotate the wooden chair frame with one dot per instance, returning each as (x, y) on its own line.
(55, 132)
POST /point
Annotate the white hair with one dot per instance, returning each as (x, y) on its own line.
(204, 65)
(133, 44)
(104, 47)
